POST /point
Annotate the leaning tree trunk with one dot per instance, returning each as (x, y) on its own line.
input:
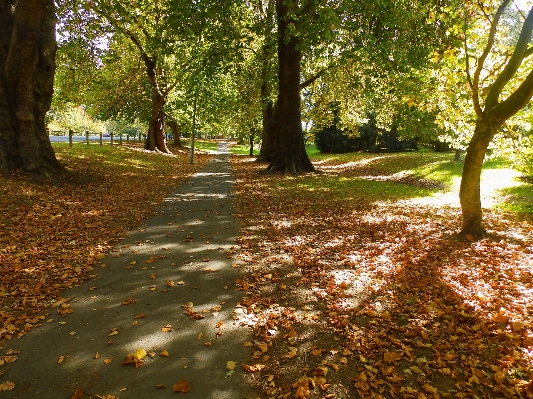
(27, 67)
(289, 153)
(470, 193)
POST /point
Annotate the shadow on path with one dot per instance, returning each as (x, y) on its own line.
(184, 254)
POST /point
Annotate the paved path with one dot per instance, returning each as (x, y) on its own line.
(194, 225)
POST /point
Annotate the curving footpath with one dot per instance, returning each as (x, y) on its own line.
(167, 289)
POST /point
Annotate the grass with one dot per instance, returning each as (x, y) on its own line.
(201, 144)
(242, 149)
(366, 248)
(502, 187)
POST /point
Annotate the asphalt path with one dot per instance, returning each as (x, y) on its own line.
(176, 273)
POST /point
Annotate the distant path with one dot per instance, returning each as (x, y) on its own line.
(184, 254)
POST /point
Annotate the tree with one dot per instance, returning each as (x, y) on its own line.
(289, 154)
(501, 83)
(27, 67)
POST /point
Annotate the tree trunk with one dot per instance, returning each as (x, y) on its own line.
(252, 143)
(469, 193)
(289, 153)
(265, 153)
(156, 134)
(176, 132)
(27, 68)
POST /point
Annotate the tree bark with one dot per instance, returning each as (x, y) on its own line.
(176, 132)
(288, 153)
(155, 140)
(265, 153)
(470, 193)
(27, 67)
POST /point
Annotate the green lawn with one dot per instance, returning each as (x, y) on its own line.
(502, 187)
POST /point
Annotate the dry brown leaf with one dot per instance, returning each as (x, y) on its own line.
(253, 368)
(7, 386)
(78, 394)
(128, 301)
(181, 386)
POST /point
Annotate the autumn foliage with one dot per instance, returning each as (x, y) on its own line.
(352, 293)
(54, 231)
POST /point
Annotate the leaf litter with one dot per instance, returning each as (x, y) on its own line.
(353, 296)
(56, 231)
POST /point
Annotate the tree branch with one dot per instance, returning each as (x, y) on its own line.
(514, 62)
(516, 101)
(313, 78)
(486, 52)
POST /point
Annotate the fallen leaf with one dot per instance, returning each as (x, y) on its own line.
(7, 386)
(253, 368)
(230, 365)
(128, 301)
(108, 360)
(167, 328)
(78, 394)
(181, 386)
(60, 359)
(163, 353)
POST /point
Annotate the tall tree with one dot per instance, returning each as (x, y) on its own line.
(288, 148)
(501, 83)
(27, 67)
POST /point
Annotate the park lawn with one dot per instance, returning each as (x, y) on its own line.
(243, 149)
(201, 144)
(55, 230)
(356, 286)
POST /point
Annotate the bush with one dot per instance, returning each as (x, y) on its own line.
(370, 138)
(333, 140)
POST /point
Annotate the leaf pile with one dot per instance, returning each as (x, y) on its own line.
(55, 230)
(352, 292)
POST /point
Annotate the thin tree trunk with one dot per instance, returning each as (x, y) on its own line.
(289, 153)
(265, 153)
(470, 194)
(27, 67)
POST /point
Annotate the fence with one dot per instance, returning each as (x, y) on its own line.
(89, 137)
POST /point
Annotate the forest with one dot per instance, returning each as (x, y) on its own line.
(352, 123)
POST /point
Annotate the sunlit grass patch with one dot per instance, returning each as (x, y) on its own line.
(381, 287)
(518, 198)
(243, 149)
(201, 144)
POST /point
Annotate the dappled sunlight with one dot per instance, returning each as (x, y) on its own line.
(367, 282)
(333, 163)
